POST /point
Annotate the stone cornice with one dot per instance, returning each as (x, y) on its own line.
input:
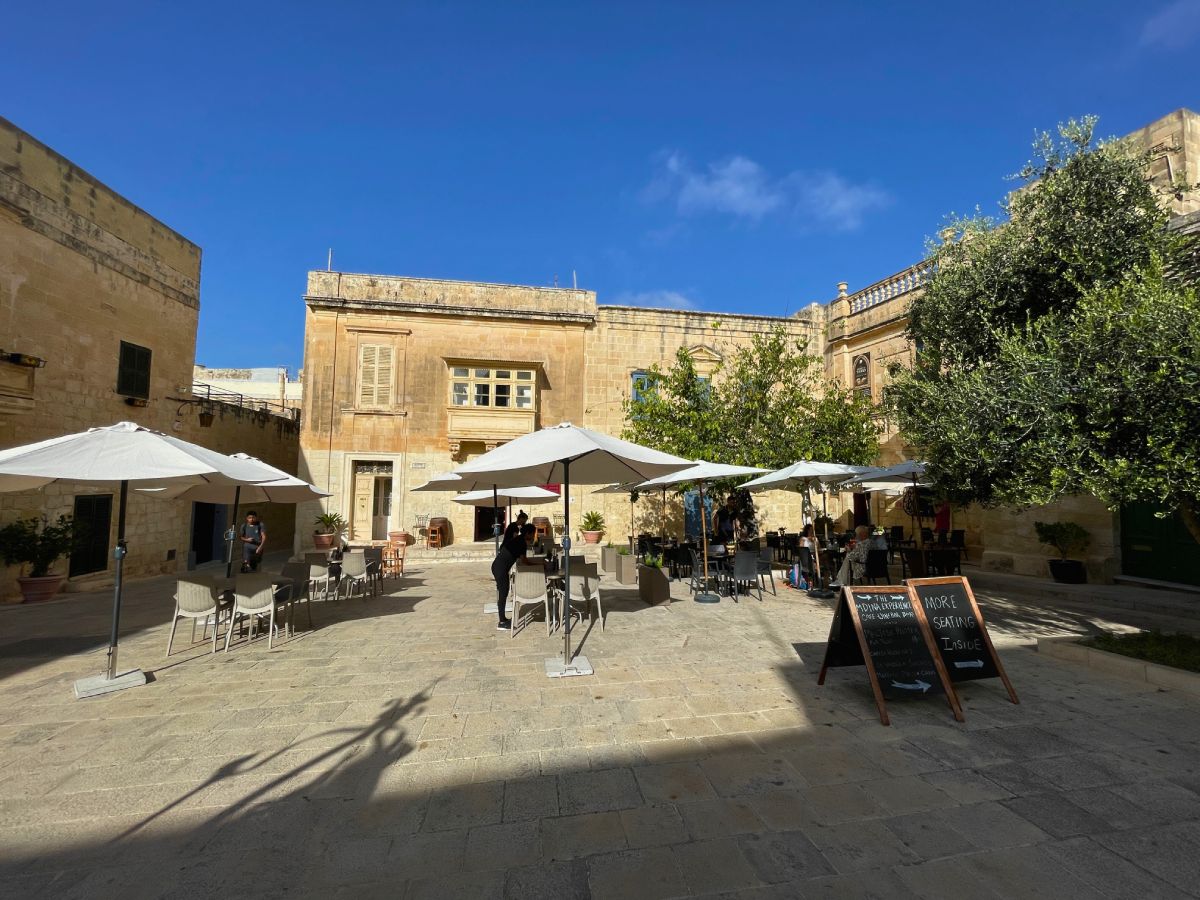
(424, 309)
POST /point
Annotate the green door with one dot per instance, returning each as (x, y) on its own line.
(1162, 549)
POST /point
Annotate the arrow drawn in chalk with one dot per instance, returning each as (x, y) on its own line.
(969, 664)
(920, 685)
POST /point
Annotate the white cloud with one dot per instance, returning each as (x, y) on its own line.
(654, 299)
(1174, 27)
(742, 188)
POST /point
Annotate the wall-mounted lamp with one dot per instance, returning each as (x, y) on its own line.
(23, 359)
(206, 412)
(206, 418)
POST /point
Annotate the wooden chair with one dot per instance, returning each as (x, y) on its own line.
(439, 532)
(393, 559)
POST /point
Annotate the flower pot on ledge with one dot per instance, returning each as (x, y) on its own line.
(323, 541)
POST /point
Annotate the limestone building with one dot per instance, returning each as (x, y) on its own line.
(408, 377)
(99, 303)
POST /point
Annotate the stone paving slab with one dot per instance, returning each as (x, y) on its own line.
(404, 748)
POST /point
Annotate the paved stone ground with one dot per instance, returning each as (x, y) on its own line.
(404, 748)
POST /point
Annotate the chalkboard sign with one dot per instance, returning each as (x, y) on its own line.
(959, 632)
(884, 629)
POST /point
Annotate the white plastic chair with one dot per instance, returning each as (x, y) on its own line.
(197, 598)
(585, 591)
(529, 591)
(254, 596)
(355, 574)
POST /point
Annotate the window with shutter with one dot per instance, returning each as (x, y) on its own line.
(133, 371)
(376, 367)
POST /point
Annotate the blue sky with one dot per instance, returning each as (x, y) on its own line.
(725, 156)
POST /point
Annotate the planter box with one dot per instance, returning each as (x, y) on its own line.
(1069, 648)
(1067, 571)
(608, 559)
(627, 569)
(654, 587)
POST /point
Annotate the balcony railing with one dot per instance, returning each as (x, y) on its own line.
(889, 288)
(203, 391)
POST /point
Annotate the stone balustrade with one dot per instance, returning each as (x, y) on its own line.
(894, 286)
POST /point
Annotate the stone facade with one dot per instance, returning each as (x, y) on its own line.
(81, 271)
(582, 357)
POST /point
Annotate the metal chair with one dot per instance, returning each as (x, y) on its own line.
(912, 563)
(765, 570)
(423, 525)
(374, 559)
(255, 596)
(198, 598)
(745, 572)
(301, 577)
(877, 566)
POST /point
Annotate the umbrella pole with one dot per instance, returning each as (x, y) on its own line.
(662, 518)
(109, 682)
(231, 533)
(705, 596)
(561, 668)
(632, 538)
(496, 519)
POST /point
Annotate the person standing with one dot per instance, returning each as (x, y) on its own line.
(515, 541)
(253, 535)
(515, 526)
(725, 521)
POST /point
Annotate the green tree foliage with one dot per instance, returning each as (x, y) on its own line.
(1057, 352)
(768, 405)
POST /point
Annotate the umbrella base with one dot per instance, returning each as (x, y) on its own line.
(578, 666)
(102, 684)
(822, 595)
(707, 597)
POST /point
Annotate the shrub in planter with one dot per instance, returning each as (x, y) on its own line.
(37, 544)
(626, 567)
(654, 585)
(608, 558)
(329, 526)
(1067, 538)
(592, 527)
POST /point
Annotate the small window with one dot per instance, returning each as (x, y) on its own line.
(483, 373)
(641, 385)
(461, 396)
(375, 375)
(133, 371)
(524, 376)
(462, 373)
(503, 375)
(524, 396)
(502, 394)
(482, 394)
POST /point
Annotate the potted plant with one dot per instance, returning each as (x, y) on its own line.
(38, 544)
(654, 586)
(400, 537)
(329, 526)
(626, 566)
(1067, 538)
(593, 527)
(608, 558)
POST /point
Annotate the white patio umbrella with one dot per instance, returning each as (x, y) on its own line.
(699, 473)
(119, 455)
(629, 487)
(802, 476)
(552, 456)
(907, 474)
(525, 496)
(281, 488)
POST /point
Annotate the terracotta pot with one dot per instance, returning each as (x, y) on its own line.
(323, 541)
(37, 589)
(592, 537)
(400, 537)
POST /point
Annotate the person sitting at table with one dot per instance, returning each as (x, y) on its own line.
(855, 564)
(511, 550)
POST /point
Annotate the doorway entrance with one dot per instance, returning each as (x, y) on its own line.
(208, 532)
(1158, 548)
(485, 516)
(371, 510)
(93, 517)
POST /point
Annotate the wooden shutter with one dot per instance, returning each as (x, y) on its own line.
(375, 374)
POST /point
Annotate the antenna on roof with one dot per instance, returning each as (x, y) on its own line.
(329, 262)
(574, 280)
(556, 279)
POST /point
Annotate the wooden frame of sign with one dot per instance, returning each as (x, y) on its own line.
(948, 633)
(889, 634)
